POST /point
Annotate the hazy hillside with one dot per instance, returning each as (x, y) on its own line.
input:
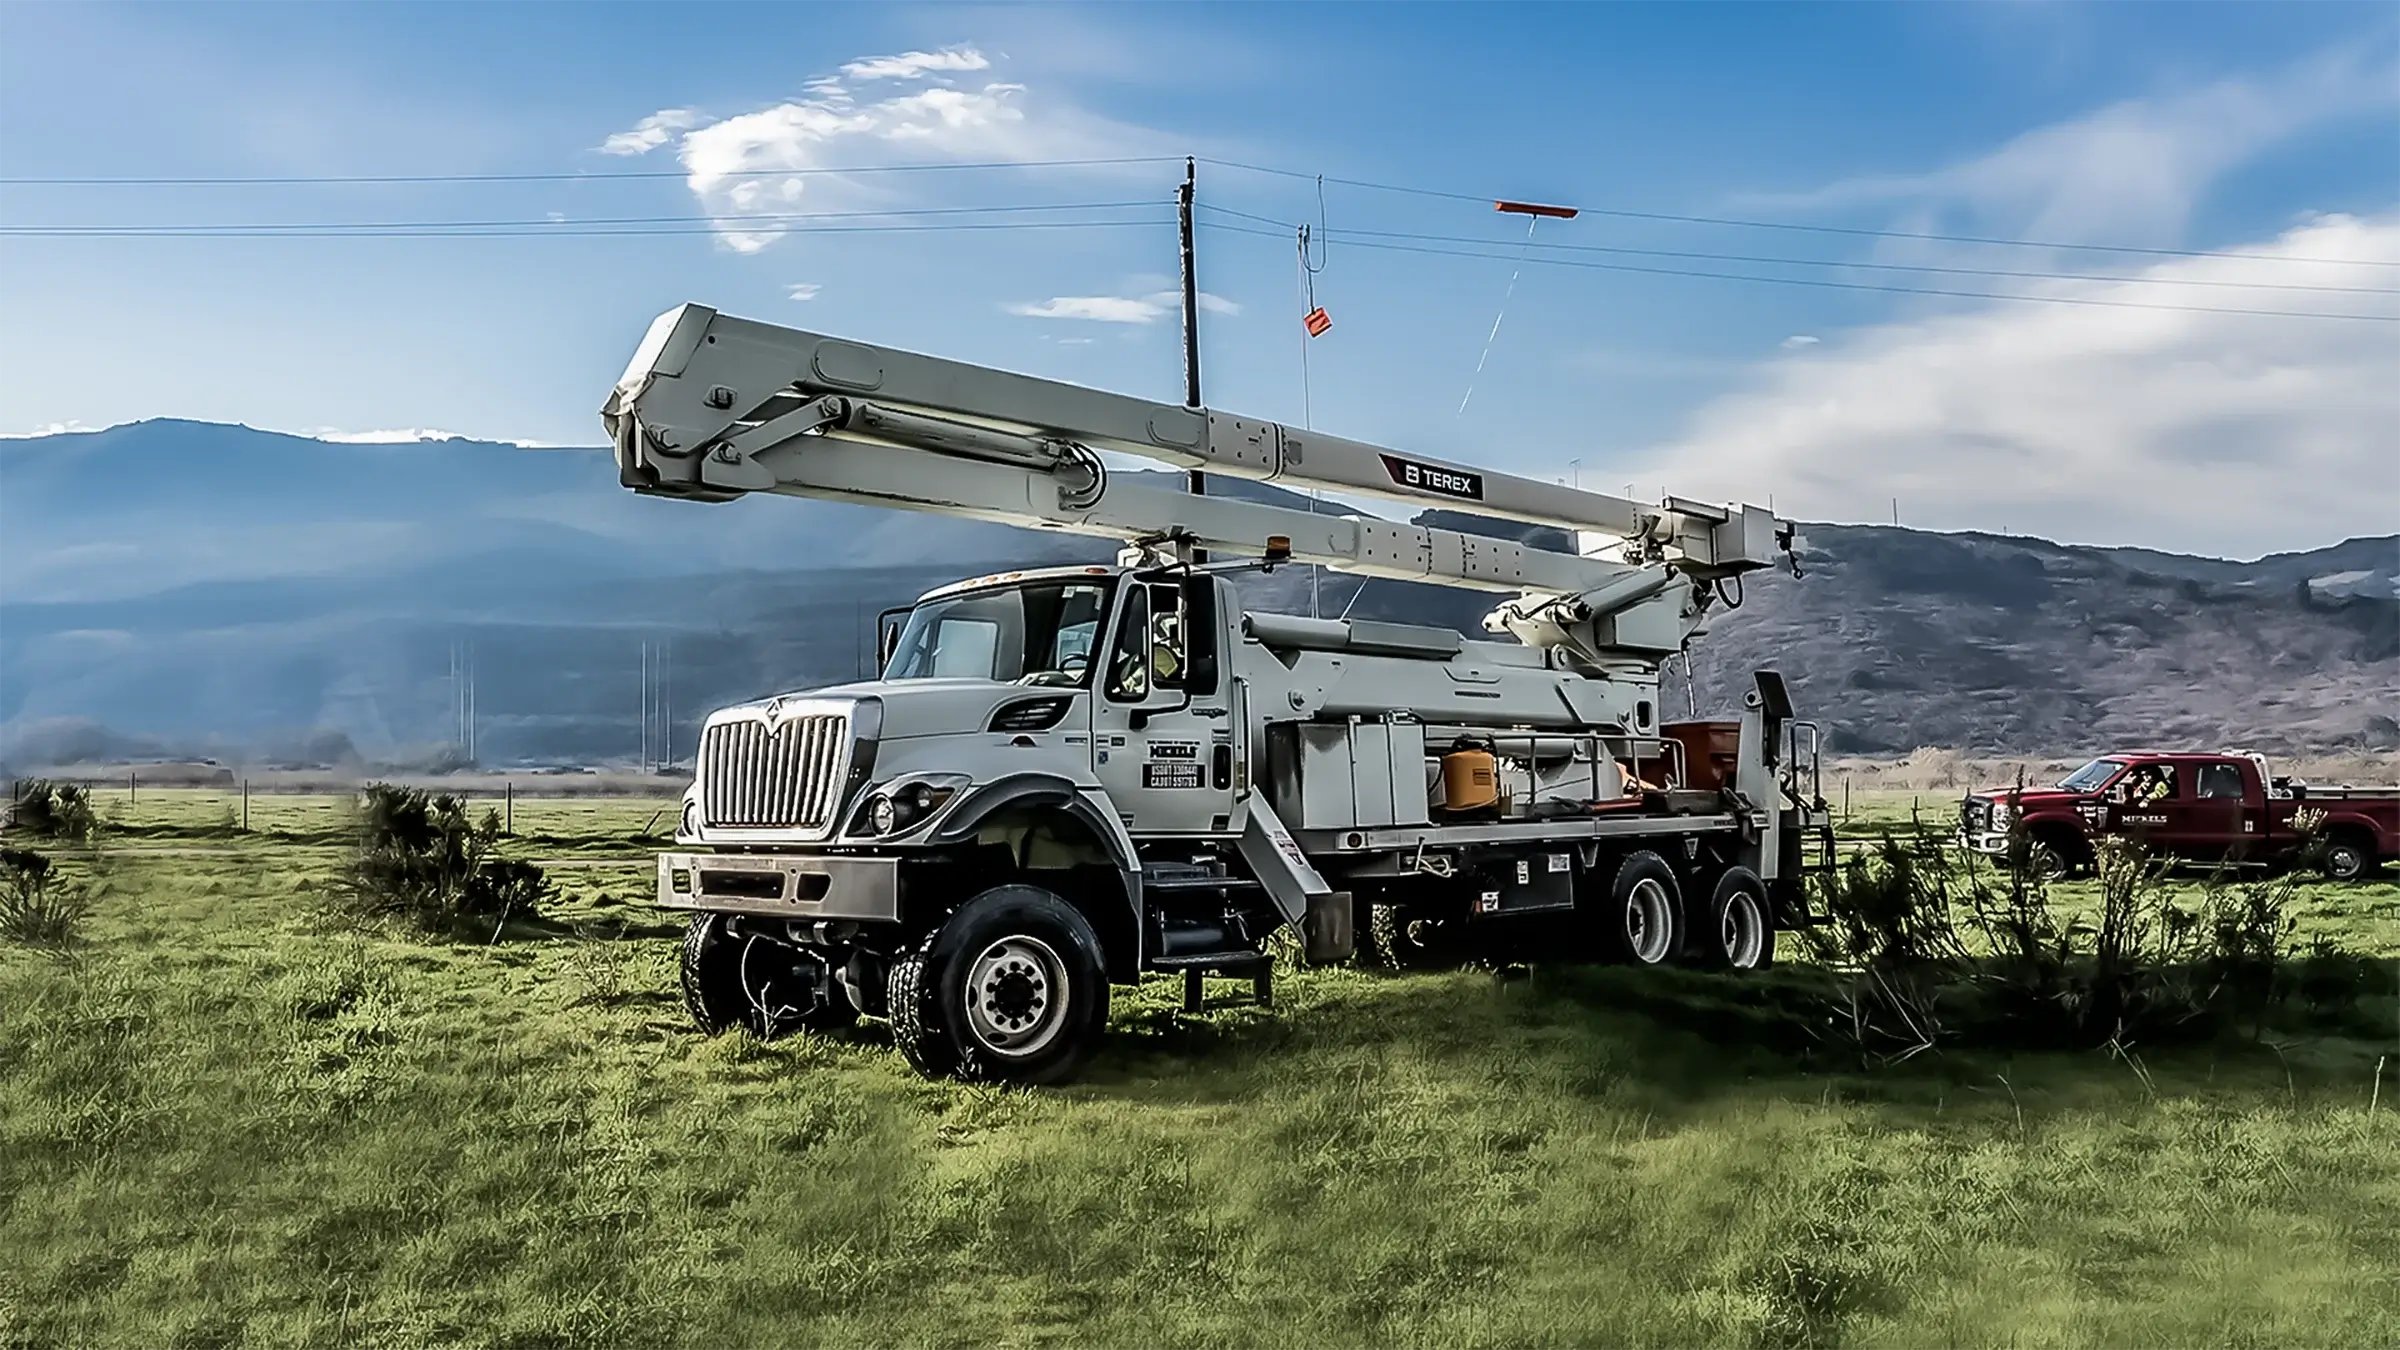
(175, 587)
(1896, 638)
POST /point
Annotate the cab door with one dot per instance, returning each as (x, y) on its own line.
(2204, 820)
(1162, 729)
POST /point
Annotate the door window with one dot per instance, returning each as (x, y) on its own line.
(2219, 782)
(1129, 662)
(2149, 784)
(1151, 651)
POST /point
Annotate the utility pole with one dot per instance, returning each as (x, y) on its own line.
(1195, 481)
(644, 757)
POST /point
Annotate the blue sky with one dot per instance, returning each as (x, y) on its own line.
(2266, 134)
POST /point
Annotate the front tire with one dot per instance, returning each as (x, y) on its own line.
(1011, 989)
(767, 988)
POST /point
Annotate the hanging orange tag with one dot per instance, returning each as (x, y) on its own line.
(1318, 321)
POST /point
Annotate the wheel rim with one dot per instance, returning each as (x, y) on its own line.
(1649, 922)
(2344, 862)
(1017, 996)
(1745, 931)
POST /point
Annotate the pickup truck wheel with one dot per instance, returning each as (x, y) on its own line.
(1012, 988)
(1641, 922)
(769, 989)
(2346, 860)
(1736, 931)
(2048, 861)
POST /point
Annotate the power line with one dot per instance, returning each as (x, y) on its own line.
(1626, 251)
(1854, 231)
(1827, 283)
(1623, 213)
(544, 223)
(571, 231)
(604, 175)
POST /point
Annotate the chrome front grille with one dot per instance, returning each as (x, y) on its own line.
(787, 776)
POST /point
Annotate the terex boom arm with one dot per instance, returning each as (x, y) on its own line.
(712, 407)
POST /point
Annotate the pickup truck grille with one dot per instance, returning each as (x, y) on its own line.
(787, 776)
(1977, 815)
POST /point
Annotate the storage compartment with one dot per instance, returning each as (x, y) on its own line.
(1359, 775)
(1712, 753)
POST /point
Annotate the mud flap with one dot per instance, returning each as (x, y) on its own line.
(1326, 935)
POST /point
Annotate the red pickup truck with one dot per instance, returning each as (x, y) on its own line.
(2210, 808)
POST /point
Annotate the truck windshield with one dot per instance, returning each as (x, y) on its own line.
(2093, 776)
(1038, 633)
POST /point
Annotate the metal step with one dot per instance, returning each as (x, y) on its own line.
(1234, 963)
(1199, 885)
(1257, 966)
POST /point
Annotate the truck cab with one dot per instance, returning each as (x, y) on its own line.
(2218, 808)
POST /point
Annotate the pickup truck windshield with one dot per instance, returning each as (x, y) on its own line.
(1039, 633)
(2093, 776)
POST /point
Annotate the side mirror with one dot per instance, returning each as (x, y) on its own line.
(2117, 794)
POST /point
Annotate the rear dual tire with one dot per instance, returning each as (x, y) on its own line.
(1647, 921)
(1642, 921)
(1736, 929)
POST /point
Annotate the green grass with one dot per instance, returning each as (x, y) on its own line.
(227, 1123)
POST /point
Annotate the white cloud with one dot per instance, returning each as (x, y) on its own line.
(1096, 308)
(2217, 433)
(417, 436)
(2128, 172)
(1798, 340)
(756, 171)
(383, 436)
(67, 428)
(802, 290)
(651, 132)
(914, 65)
(1120, 308)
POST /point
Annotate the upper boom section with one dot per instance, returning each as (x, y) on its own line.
(707, 393)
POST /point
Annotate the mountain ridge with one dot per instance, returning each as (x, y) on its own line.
(255, 589)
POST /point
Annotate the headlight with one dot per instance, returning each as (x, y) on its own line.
(904, 805)
(690, 826)
(2002, 814)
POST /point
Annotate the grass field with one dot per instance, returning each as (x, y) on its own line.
(227, 1121)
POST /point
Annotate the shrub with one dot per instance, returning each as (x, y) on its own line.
(420, 860)
(1929, 946)
(47, 810)
(39, 907)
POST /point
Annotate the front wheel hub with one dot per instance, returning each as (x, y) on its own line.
(1016, 996)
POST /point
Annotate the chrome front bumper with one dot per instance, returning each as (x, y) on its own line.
(781, 886)
(1991, 843)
